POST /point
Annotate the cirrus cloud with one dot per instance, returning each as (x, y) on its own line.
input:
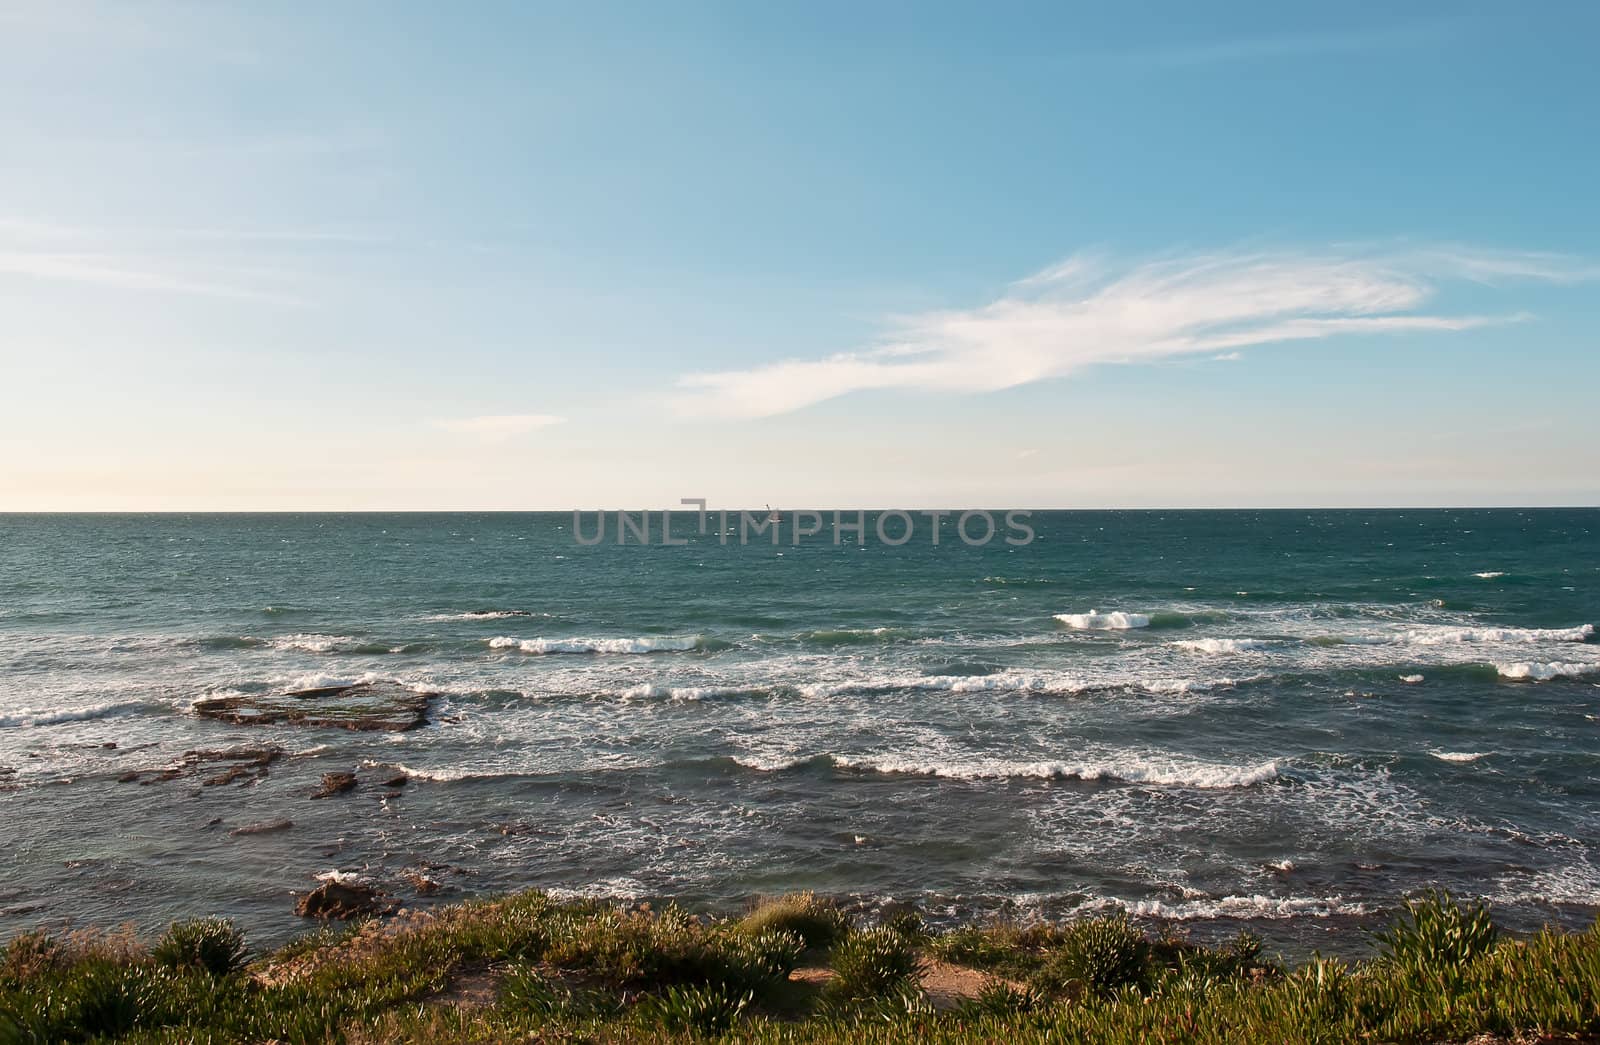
(495, 427)
(1086, 311)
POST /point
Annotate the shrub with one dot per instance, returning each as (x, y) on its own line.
(1436, 933)
(872, 963)
(1319, 994)
(30, 955)
(818, 922)
(1101, 956)
(907, 922)
(999, 998)
(212, 944)
(772, 955)
(105, 1000)
(526, 990)
(708, 1010)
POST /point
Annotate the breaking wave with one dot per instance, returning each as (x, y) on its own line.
(1242, 907)
(1094, 620)
(1537, 672)
(662, 644)
(1443, 636)
(32, 718)
(1222, 645)
(1130, 770)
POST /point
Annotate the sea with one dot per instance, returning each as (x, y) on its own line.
(1286, 721)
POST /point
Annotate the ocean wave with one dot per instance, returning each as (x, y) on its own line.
(1537, 672)
(306, 642)
(1490, 575)
(1240, 907)
(648, 644)
(1459, 756)
(851, 636)
(438, 776)
(1445, 636)
(651, 691)
(1156, 772)
(1223, 645)
(484, 615)
(32, 718)
(1094, 620)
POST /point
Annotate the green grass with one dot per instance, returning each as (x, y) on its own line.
(588, 971)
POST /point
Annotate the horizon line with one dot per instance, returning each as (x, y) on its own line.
(689, 510)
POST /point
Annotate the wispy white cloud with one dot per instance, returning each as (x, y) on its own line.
(222, 261)
(1085, 312)
(497, 427)
(123, 273)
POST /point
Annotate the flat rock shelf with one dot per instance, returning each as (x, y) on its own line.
(364, 706)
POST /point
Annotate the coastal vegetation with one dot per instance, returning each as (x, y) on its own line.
(530, 967)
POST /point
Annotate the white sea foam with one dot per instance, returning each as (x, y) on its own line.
(1412, 680)
(1094, 620)
(309, 643)
(649, 691)
(341, 877)
(1490, 575)
(1574, 884)
(1243, 907)
(1130, 769)
(30, 718)
(483, 615)
(1222, 645)
(1459, 756)
(1445, 636)
(648, 644)
(1544, 672)
(770, 763)
(442, 776)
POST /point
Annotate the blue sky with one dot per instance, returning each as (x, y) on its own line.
(535, 256)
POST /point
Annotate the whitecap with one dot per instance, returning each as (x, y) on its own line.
(30, 718)
(1094, 620)
(648, 644)
(1459, 756)
(1490, 575)
(1222, 645)
(1537, 672)
(1242, 907)
(1443, 636)
(1131, 769)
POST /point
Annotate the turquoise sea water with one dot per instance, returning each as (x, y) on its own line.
(1290, 719)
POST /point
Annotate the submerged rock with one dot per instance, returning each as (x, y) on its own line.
(365, 705)
(335, 784)
(236, 764)
(342, 900)
(266, 827)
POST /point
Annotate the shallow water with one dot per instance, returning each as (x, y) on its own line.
(1209, 716)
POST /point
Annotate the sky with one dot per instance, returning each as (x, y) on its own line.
(514, 255)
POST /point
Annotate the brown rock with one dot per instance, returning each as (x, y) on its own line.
(366, 705)
(335, 784)
(398, 780)
(238, 764)
(344, 900)
(423, 885)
